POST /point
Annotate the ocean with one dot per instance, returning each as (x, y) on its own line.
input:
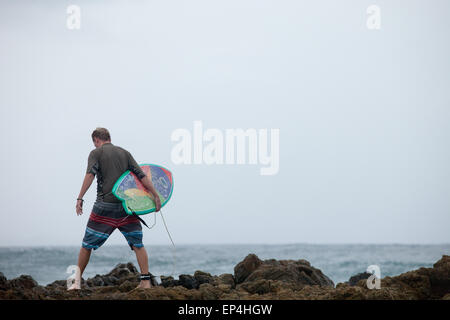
(339, 262)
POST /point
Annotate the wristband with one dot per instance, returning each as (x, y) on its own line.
(80, 199)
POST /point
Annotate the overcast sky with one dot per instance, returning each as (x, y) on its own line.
(363, 116)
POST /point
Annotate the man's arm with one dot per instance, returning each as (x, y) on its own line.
(151, 189)
(88, 178)
(136, 169)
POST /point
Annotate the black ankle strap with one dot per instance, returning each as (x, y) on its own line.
(147, 276)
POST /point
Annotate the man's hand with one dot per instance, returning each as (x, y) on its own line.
(88, 178)
(79, 207)
(151, 190)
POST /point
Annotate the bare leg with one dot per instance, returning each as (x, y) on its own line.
(142, 258)
(83, 259)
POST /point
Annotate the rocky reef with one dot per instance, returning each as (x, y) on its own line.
(252, 279)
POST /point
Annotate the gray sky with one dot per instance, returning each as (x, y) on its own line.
(363, 116)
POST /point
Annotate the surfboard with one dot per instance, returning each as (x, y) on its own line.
(129, 189)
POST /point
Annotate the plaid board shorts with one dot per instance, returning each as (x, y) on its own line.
(105, 218)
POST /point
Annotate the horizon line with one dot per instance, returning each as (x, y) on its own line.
(238, 244)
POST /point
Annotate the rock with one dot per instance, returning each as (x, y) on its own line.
(123, 270)
(127, 286)
(60, 283)
(210, 292)
(161, 293)
(225, 288)
(203, 277)
(168, 282)
(424, 283)
(294, 271)
(96, 281)
(23, 282)
(4, 285)
(260, 286)
(268, 279)
(226, 278)
(443, 263)
(110, 280)
(187, 281)
(353, 281)
(439, 277)
(121, 273)
(244, 268)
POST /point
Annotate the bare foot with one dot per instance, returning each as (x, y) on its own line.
(74, 286)
(144, 284)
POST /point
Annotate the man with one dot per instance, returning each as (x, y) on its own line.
(109, 162)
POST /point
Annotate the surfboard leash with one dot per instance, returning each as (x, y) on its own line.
(173, 245)
(168, 233)
(142, 220)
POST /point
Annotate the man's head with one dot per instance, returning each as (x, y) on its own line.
(100, 136)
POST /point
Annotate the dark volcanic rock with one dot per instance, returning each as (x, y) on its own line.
(4, 284)
(226, 278)
(203, 277)
(353, 281)
(121, 273)
(424, 283)
(168, 282)
(127, 286)
(260, 286)
(244, 268)
(268, 279)
(187, 281)
(96, 281)
(298, 272)
(440, 277)
(122, 270)
(23, 282)
(210, 292)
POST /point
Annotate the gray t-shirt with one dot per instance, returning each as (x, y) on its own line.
(109, 162)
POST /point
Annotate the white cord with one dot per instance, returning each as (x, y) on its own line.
(173, 245)
(154, 221)
(171, 240)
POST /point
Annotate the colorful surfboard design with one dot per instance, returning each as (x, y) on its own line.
(134, 196)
